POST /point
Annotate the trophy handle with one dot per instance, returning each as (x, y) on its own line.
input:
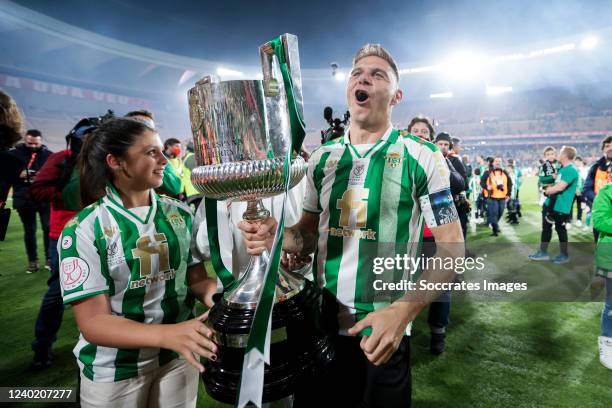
(271, 76)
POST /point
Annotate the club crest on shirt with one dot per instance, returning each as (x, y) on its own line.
(393, 159)
(176, 220)
(74, 272)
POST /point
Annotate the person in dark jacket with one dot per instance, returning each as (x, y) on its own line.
(597, 176)
(439, 311)
(32, 154)
(458, 178)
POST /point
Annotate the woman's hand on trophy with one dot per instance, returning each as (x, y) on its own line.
(258, 236)
(191, 338)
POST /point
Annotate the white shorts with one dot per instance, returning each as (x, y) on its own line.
(172, 385)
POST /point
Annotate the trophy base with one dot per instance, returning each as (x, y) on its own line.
(299, 346)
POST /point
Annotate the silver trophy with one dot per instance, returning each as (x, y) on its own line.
(242, 134)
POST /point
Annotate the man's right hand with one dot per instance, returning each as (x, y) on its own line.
(259, 235)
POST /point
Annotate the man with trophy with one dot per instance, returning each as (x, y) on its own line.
(366, 194)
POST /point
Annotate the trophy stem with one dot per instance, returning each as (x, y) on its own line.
(256, 211)
(247, 290)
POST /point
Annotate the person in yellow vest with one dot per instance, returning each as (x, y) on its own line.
(192, 195)
(598, 176)
(497, 186)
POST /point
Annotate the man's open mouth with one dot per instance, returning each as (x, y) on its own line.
(361, 95)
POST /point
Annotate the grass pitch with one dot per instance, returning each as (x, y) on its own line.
(499, 354)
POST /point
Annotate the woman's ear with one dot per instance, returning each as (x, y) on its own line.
(113, 162)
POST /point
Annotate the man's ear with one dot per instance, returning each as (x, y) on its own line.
(397, 97)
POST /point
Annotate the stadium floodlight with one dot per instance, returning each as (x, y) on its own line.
(228, 72)
(441, 95)
(467, 65)
(428, 68)
(340, 76)
(496, 90)
(589, 42)
(464, 65)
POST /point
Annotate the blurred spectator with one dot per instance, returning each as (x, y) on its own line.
(192, 195)
(564, 189)
(514, 206)
(598, 176)
(53, 183)
(144, 116)
(173, 150)
(578, 200)
(421, 127)
(32, 154)
(497, 186)
(602, 220)
(445, 144)
(11, 126)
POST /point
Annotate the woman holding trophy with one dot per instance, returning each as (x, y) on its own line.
(127, 270)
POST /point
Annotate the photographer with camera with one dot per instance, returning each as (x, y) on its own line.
(336, 126)
(32, 155)
(497, 186)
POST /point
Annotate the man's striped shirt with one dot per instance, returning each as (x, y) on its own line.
(371, 203)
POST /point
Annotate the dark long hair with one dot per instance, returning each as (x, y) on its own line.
(11, 122)
(114, 137)
(422, 119)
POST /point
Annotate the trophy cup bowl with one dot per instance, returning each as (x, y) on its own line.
(241, 133)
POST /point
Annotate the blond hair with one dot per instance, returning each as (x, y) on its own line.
(376, 50)
(569, 151)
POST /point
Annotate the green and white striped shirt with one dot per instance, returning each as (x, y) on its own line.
(372, 203)
(140, 262)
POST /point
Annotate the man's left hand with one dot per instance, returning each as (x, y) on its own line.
(388, 327)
